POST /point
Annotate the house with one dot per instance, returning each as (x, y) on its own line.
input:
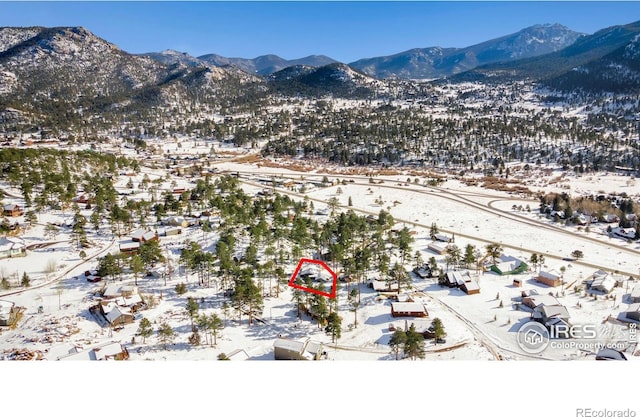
(534, 300)
(8, 313)
(423, 272)
(176, 221)
(130, 248)
(611, 218)
(457, 278)
(172, 231)
(439, 249)
(551, 316)
(116, 315)
(11, 247)
(384, 286)
(103, 352)
(12, 210)
(628, 233)
(290, 349)
(112, 291)
(408, 309)
(634, 297)
(633, 312)
(550, 278)
(470, 287)
(509, 265)
(603, 282)
(141, 235)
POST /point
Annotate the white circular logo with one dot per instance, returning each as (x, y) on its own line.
(533, 337)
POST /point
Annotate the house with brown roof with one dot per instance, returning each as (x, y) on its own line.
(12, 210)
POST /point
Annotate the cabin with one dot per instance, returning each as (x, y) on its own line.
(12, 210)
(550, 278)
(408, 309)
(470, 287)
(130, 248)
(290, 349)
(115, 314)
(8, 313)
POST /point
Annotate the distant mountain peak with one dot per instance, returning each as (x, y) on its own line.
(435, 62)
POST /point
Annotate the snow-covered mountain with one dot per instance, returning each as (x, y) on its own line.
(435, 62)
(266, 64)
(64, 72)
(337, 79)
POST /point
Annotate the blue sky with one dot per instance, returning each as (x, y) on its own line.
(345, 31)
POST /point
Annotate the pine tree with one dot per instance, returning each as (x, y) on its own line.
(334, 321)
(414, 345)
(166, 335)
(145, 329)
(438, 329)
(192, 309)
(26, 282)
(397, 341)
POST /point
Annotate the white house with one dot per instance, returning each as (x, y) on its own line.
(603, 282)
(11, 247)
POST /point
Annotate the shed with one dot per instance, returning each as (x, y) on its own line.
(550, 278)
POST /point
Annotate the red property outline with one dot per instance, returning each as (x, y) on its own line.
(313, 290)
